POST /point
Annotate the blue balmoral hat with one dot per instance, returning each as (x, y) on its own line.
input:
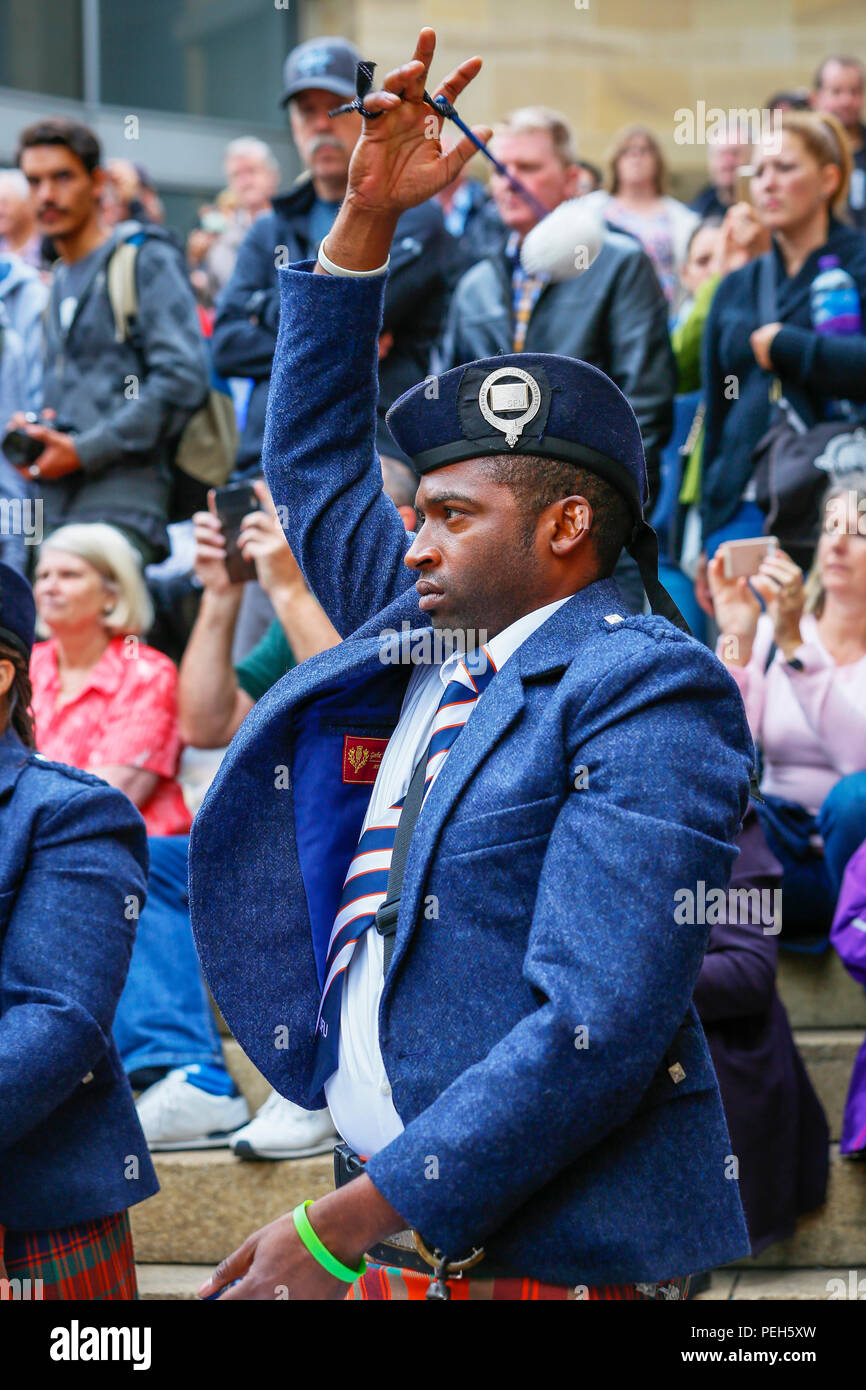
(17, 611)
(542, 404)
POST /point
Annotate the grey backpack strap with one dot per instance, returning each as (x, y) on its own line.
(386, 916)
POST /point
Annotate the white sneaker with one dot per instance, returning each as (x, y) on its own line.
(174, 1114)
(283, 1130)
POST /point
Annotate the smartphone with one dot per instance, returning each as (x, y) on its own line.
(743, 558)
(233, 502)
(745, 174)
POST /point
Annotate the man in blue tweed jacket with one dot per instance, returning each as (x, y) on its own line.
(526, 1075)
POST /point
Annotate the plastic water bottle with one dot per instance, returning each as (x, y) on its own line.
(835, 300)
(835, 306)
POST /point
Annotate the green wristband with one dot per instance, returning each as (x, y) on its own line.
(318, 1250)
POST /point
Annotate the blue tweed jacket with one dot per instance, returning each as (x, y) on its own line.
(528, 1031)
(73, 851)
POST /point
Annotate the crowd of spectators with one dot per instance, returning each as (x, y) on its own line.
(704, 315)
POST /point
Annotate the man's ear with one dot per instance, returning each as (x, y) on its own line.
(572, 523)
(410, 518)
(97, 179)
(572, 181)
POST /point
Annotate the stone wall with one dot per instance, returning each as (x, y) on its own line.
(609, 62)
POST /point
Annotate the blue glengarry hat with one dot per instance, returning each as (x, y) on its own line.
(17, 611)
(541, 404)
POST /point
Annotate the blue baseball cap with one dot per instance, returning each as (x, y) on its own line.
(329, 64)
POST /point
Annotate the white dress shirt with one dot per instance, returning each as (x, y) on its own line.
(358, 1092)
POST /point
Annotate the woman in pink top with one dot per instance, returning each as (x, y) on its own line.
(801, 669)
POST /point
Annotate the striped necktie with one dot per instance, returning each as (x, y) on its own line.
(366, 882)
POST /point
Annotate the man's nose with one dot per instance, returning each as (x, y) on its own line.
(421, 553)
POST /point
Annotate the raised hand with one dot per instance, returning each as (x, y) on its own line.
(399, 161)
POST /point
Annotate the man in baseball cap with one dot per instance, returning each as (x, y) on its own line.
(327, 65)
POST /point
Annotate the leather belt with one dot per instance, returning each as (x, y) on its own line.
(405, 1249)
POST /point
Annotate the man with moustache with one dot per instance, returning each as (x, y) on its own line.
(442, 896)
(320, 75)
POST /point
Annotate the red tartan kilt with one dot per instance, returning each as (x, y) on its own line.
(381, 1283)
(90, 1260)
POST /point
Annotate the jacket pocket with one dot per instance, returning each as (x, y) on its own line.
(509, 825)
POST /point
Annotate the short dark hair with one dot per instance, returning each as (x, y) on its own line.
(537, 482)
(72, 135)
(19, 697)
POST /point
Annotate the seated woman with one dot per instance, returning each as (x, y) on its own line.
(848, 935)
(801, 669)
(106, 702)
(779, 1133)
(799, 191)
(73, 857)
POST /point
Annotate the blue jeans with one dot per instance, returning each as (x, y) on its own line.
(811, 882)
(164, 1018)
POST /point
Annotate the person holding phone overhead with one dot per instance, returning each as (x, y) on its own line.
(801, 668)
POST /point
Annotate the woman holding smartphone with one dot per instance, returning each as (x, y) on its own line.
(800, 665)
(73, 861)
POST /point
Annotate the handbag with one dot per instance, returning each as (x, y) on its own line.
(796, 461)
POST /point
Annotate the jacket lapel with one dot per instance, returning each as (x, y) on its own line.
(544, 654)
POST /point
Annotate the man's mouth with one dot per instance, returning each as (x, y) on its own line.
(428, 594)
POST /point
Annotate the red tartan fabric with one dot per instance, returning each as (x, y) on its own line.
(382, 1283)
(90, 1260)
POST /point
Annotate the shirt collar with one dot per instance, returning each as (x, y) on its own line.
(106, 676)
(504, 644)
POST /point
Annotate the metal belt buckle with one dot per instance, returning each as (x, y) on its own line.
(434, 1258)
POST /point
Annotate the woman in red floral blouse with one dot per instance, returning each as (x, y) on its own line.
(102, 699)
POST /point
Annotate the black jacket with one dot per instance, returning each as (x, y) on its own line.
(248, 311)
(778, 1129)
(614, 316)
(812, 368)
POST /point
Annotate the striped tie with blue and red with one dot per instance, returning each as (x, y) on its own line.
(366, 882)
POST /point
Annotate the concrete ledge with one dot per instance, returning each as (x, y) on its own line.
(833, 1235)
(818, 992)
(211, 1201)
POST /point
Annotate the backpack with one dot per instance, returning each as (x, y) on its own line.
(205, 449)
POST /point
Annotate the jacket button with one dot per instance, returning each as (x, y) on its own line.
(676, 1073)
(87, 1078)
(384, 1089)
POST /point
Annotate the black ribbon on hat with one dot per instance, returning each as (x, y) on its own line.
(363, 82)
(644, 550)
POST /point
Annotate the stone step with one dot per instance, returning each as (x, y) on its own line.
(785, 1285)
(828, 1054)
(174, 1281)
(835, 1234)
(818, 992)
(210, 1202)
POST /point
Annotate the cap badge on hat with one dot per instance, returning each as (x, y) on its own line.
(496, 395)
